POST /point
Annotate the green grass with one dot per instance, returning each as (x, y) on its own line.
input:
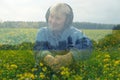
(104, 64)
(19, 35)
(101, 65)
(97, 34)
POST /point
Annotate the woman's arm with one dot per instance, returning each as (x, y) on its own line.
(40, 48)
(82, 49)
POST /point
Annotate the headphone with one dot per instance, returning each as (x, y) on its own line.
(69, 17)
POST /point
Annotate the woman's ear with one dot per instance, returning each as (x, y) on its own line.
(47, 14)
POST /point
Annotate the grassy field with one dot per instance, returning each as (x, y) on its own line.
(19, 35)
(19, 65)
(97, 34)
(104, 63)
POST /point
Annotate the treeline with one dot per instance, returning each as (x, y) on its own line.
(80, 25)
(88, 25)
(22, 24)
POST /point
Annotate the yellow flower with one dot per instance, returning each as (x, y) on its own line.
(62, 72)
(106, 60)
(44, 69)
(97, 78)
(4, 79)
(34, 69)
(78, 77)
(42, 75)
(67, 74)
(106, 65)
(65, 71)
(117, 62)
(26, 76)
(13, 66)
(41, 64)
(107, 56)
(111, 75)
(32, 76)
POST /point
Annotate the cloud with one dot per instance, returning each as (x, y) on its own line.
(100, 11)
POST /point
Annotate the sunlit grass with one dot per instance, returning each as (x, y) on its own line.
(19, 35)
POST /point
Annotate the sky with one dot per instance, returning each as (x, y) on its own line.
(96, 11)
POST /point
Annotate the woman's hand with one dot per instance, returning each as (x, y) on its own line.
(62, 60)
(55, 63)
(49, 60)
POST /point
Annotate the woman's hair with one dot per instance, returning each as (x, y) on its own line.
(63, 8)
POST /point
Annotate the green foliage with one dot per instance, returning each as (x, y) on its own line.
(17, 61)
(19, 64)
(13, 36)
(22, 46)
(111, 40)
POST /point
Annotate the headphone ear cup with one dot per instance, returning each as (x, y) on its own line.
(47, 14)
(69, 18)
(67, 22)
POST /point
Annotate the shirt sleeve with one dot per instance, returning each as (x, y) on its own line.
(82, 49)
(40, 48)
(40, 41)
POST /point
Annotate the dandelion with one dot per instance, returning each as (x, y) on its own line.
(78, 77)
(117, 62)
(97, 78)
(65, 71)
(13, 66)
(34, 69)
(26, 76)
(42, 76)
(111, 75)
(106, 65)
(44, 69)
(107, 56)
(62, 72)
(4, 79)
(41, 64)
(106, 60)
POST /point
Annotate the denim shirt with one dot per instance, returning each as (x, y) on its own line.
(70, 39)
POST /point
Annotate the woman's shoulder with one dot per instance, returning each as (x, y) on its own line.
(75, 30)
(43, 29)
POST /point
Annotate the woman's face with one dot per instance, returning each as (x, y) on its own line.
(56, 21)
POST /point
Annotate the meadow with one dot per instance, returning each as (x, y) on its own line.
(104, 63)
(19, 35)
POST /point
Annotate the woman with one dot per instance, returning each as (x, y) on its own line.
(60, 44)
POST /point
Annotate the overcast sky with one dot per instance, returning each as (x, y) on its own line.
(97, 11)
